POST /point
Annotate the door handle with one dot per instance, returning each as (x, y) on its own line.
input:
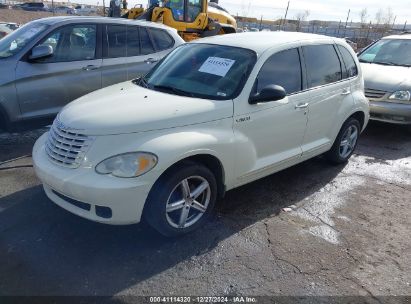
(90, 68)
(150, 60)
(346, 92)
(302, 106)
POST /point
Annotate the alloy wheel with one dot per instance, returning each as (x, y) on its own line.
(348, 141)
(188, 202)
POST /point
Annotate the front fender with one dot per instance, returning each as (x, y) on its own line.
(174, 147)
(171, 146)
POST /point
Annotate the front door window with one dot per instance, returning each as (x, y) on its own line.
(72, 43)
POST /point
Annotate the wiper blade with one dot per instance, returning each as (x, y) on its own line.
(401, 64)
(365, 61)
(173, 90)
(142, 82)
(382, 62)
(393, 63)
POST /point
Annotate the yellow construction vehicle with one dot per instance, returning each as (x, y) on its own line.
(193, 19)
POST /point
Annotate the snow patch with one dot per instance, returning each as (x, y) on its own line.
(321, 207)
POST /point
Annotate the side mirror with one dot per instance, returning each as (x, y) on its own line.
(269, 93)
(41, 51)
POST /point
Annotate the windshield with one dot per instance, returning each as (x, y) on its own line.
(17, 40)
(389, 52)
(202, 71)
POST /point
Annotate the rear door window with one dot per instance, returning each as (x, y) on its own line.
(116, 37)
(323, 65)
(162, 39)
(133, 41)
(146, 44)
(283, 69)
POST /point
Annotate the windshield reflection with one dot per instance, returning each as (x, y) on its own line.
(396, 52)
(13, 43)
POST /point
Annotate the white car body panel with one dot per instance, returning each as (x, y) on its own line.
(139, 110)
(250, 141)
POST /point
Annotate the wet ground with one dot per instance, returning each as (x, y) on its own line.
(314, 229)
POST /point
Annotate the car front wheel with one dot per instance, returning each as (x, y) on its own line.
(181, 200)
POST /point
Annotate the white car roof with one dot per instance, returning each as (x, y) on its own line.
(262, 41)
(404, 36)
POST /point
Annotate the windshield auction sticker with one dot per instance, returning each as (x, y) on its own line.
(217, 66)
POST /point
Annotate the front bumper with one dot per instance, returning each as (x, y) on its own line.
(100, 198)
(390, 112)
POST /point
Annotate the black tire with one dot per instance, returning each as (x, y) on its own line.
(334, 155)
(168, 185)
(4, 122)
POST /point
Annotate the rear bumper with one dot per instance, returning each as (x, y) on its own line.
(390, 112)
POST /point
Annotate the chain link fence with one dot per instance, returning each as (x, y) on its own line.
(363, 36)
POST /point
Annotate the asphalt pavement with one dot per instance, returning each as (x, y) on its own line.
(311, 230)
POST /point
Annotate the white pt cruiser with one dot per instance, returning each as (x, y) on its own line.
(215, 114)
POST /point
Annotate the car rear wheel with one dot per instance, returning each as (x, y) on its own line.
(181, 200)
(345, 143)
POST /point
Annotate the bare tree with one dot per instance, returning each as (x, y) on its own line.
(363, 17)
(383, 19)
(388, 18)
(379, 16)
(301, 17)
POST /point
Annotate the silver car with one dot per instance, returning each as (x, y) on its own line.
(387, 73)
(49, 62)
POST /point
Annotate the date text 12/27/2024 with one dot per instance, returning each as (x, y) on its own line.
(232, 299)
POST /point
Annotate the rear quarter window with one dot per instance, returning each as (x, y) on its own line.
(349, 62)
(162, 39)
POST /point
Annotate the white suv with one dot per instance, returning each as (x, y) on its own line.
(215, 114)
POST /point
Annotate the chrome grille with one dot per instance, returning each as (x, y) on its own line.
(66, 147)
(374, 94)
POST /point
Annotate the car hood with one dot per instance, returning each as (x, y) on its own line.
(129, 108)
(386, 78)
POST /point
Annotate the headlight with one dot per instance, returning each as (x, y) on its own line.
(128, 165)
(401, 95)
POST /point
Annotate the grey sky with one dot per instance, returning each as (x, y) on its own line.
(319, 9)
